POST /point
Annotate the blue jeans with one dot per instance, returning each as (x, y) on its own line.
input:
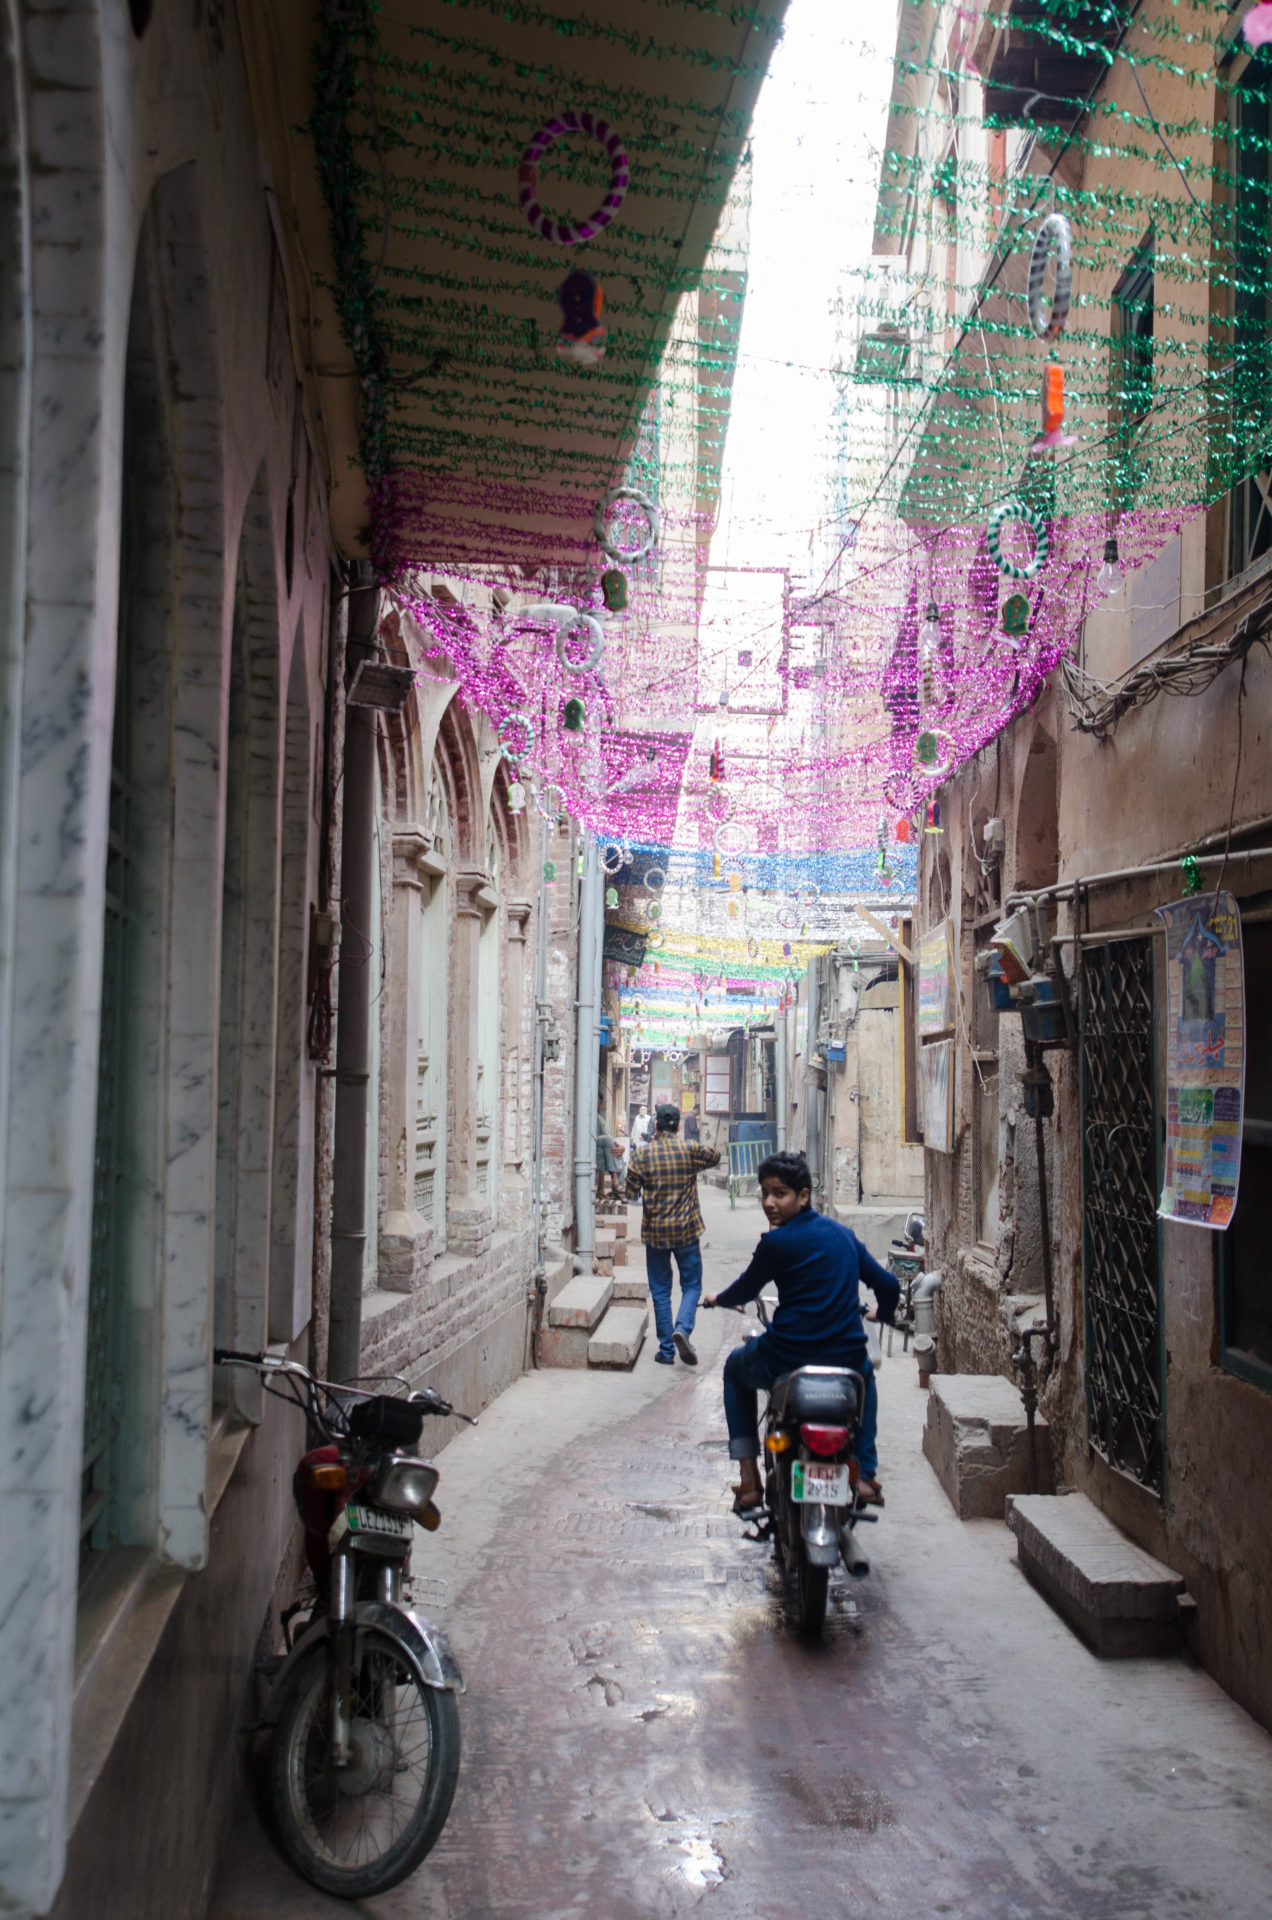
(658, 1270)
(751, 1367)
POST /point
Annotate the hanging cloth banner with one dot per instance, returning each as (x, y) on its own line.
(1205, 1059)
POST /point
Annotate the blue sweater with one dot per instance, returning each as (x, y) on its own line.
(817, 1267)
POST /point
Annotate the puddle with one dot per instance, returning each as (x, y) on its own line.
(701, 1866)
(700, 1863)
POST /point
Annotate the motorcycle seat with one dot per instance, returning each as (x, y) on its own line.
(827, 1396)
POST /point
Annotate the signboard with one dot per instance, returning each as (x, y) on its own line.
(936, 1095)
(719, 1084)
(1205, 1059)
(936, 983)
(623, 945)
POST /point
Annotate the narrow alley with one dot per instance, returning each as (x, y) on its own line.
(645, 1734)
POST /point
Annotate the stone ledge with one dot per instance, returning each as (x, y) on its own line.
(631, 1286)
(1120, 1599)
(581, 1302)
(977, 1442)
(619, 1338)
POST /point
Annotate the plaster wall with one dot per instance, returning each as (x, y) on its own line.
(119, 143)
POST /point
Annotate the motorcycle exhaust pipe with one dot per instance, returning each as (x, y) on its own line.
(854, 1559)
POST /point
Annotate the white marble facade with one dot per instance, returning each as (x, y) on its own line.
(137, 153)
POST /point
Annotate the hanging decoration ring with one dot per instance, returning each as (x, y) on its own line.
(1017, 510)
(551, 800)
(730, 837)
(595, 635)
(600, 523)
(612, 857)
(516, 736)
(652, 885)
(935, 753)
(567, 233)
(1048, 324)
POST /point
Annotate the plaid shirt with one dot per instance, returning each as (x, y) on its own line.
(668, 1170)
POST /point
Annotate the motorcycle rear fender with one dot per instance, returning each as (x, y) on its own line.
(821, 1542)
(426, 1648)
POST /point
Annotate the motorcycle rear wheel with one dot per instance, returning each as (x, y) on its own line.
(358, 1830)
(811, 1584)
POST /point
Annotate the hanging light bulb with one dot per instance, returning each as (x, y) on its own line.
(929, 654)
(1110, 579)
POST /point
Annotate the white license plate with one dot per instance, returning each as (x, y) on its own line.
(818, 1480)
(372, 1520)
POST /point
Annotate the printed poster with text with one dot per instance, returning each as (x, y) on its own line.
(1205, 1059)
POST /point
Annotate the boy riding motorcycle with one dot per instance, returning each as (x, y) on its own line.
(817, 1267)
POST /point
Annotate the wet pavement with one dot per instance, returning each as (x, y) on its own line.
(645, 1734)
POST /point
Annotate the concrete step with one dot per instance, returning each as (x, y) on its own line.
(1117, 1597)
(619, 1338)
(603, 1245)
(977, 1442)
(572, 1319)
(631, 1285)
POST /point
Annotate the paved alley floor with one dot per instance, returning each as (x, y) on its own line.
(645, 1735)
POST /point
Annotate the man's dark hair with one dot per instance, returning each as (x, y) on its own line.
(666, 1117)
(790, 1168)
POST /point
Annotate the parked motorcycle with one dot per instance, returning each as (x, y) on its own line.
(811, 1504)
(905, 1262)
(366, 1729)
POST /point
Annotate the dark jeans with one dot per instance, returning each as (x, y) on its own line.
(751, 1368)
(658, 1269)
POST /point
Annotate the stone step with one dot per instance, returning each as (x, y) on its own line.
(1117, 1597)
(631, 1285)
(619, 1338)
(572, 1319)
(977, 1442)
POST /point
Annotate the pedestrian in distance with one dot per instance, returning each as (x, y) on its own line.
(817, 1267)
(666, 1171)
(692, 1131)
(642, 1127)
(609, 1162)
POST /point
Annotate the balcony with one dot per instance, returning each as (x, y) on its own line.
(1041, 61)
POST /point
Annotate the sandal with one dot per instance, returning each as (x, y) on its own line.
(870, 1493)
(743, 1506)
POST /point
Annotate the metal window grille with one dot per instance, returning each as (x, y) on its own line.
(1121, 1271)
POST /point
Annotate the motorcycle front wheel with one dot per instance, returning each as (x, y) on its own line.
(360, 1829)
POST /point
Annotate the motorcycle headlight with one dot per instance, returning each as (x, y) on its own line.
(403, 1485)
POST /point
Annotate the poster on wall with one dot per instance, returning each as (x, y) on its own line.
(1205, 1059)
(719, 1084)
(936, 982)
(936, 1095)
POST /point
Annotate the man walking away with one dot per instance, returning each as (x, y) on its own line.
(671, 1224)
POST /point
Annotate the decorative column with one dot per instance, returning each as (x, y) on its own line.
(469, 1214)
(406, 1236)
(518, 1057)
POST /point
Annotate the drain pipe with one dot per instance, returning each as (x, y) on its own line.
(813, 1094)
(542, 1019)
(585, 1059)
(781, 1074)
(353, 1015)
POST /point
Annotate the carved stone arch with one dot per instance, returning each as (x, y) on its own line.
(247, 975)
(457, 748)
(1037, 835)
(514, 830)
